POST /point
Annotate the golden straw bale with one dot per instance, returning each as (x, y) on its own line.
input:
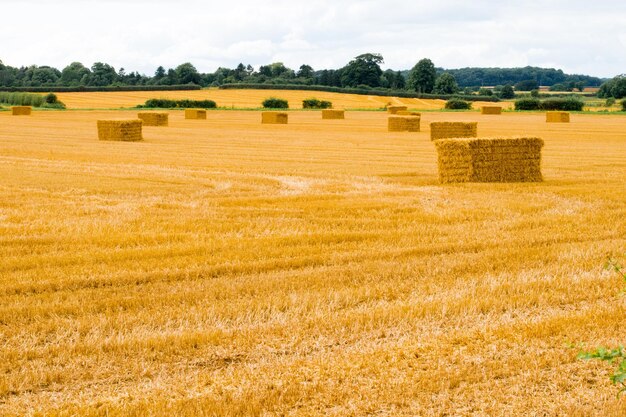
(396, 109)
(154, 119)
(333, 114)
(491, 110)
(557, 117)
(403, 124)
(489, 159)
(120, 130)
(274, 117)
(21, 110)
(445, 130)
(195, 114)
(407, 113)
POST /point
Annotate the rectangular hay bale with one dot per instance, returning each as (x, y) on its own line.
(408, 113)
(154, 118)
(333, 114)
(489, 159)
(120, 130)
(194, 114)
(396, 109)
(557, 117)
(445, 130)
(21, 110)
(403, 123)
(491, 110)
(274, 117)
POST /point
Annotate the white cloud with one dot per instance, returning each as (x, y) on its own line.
(139, 35)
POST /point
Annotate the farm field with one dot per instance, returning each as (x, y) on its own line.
(247, 99)
(224, 267)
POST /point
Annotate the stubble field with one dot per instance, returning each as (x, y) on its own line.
(224, 267)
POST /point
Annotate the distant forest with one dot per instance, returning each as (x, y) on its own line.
(363, 71)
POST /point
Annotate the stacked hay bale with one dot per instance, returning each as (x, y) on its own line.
(489, 159)
(557, 117)
(491, 110)
(120, 130)
(407, 113)
(154, 119)
(445, 130)
(403, 123)
(195, 114)
(21, 110)
(274, 117)
(333, 114)
(396, 109)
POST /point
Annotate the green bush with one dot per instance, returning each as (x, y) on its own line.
(527, 104)
(458, 104)
(313, 103)
(275, 103)
(624, 105)
(163, 103)
(565, 104)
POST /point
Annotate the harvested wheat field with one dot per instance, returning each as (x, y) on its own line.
(233, 268)
(246, 99)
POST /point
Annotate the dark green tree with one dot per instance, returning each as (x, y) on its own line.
(422, 76)
(75, 74)
(186, 73)
(363, 70)
(507, 92)
(305, 71)
(527, 85)
(101, 75)
(446, 84)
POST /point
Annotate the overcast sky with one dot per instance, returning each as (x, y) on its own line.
(574, 35)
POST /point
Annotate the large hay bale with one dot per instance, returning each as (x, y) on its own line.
(333, 114)
(154, 119)
(408, 113)
(274, 117)
(195, 114)
(120, 130)
(491, 110)
(403, 124)
(21, 110)
(445, 130)
(489, 159)
(557, 117)
(396, 109)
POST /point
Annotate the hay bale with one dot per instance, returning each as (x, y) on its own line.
(408, 113)
(403, 124)
(491, 110)
(154, 119)
(120, 130)
(557, 117)
(274, 117)
(489, 159)
(396, 109)
(445, 130)
(333, 114)
(195, 114)
(21, 110)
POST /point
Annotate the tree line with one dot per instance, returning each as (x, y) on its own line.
(364, 71)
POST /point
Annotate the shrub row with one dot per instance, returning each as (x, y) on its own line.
(26, 99)
(624, 105)
(61, 89)
(360, 91)
(564, 104)
(313, 103)
(163, 103)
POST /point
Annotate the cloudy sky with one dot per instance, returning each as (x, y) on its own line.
(139, 35)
